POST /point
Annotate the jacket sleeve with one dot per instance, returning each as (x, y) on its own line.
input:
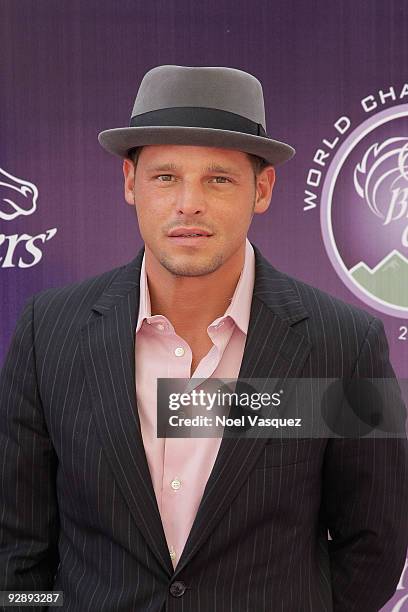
(365, 500)
(29, 522)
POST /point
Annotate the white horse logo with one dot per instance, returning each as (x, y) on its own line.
(17, 197)
(381, 178)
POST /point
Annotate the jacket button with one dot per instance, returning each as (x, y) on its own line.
(177, 589)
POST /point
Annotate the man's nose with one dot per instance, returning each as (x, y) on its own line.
(190, 199)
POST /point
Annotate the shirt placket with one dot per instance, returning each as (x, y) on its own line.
(175, 486)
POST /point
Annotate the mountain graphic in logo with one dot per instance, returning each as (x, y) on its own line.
(388, 280)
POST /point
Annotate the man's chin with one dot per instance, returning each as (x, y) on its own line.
(186, 267)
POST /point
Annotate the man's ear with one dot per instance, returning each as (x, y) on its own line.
(264, 186)
(129, 174)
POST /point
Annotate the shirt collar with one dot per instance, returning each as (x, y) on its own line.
(145, 310)
(239, 308)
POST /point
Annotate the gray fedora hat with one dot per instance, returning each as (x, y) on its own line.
(193, 105)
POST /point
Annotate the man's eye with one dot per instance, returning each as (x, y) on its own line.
(166, 177)
(224, 179)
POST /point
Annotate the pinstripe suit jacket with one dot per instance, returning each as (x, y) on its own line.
(78, 510)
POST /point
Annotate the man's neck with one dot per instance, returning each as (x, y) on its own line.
(191, 303)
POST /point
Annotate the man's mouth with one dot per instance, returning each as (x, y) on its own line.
(185, 232)
(187, 235)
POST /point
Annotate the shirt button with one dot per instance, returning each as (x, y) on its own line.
(179, 351)
(172, 553)
(175, 484)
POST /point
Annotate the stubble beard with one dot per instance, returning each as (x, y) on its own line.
(190, 268)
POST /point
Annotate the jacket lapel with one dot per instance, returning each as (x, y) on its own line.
(108, 350)
(272, 350)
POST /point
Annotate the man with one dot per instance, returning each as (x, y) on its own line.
(94, 504)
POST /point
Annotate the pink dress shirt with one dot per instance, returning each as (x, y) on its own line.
(180, 467)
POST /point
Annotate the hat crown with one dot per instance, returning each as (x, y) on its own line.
(227, 89)
(209, 106)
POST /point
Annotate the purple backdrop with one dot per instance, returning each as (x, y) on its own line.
(70, 69)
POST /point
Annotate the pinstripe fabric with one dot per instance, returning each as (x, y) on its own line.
(78, 511)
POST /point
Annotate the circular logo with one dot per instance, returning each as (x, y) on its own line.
(364, 211)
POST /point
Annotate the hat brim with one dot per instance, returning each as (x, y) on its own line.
(120, 140)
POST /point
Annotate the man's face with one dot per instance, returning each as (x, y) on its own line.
(192, 189)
